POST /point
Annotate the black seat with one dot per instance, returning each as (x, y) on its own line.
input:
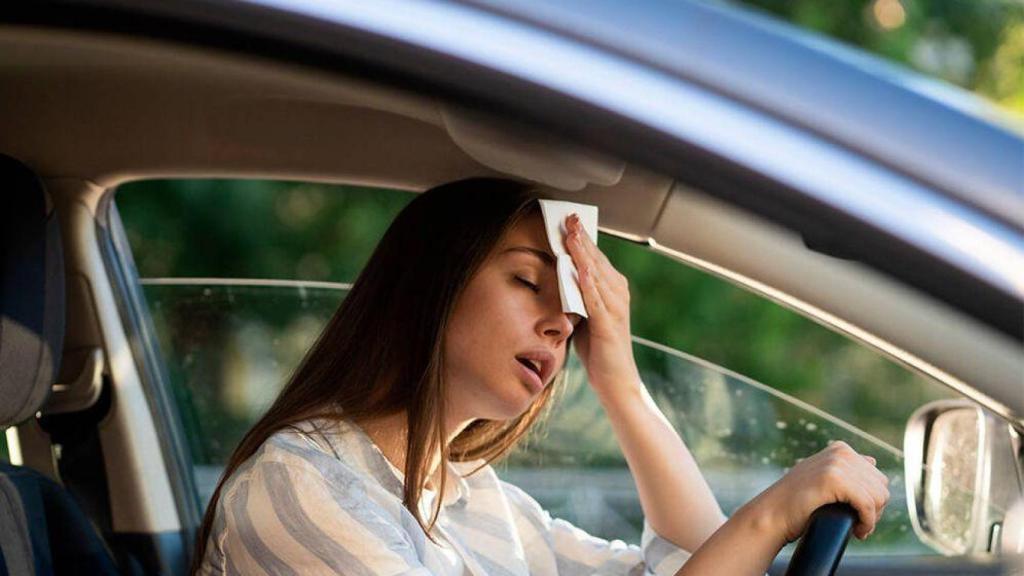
(42, 529)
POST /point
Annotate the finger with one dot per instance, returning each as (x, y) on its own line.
(574, 224)
(853, 486)
(847, 451)
(606, 270)
(612, 285)
(875, 491)
(601, 261)
(881, 476)
(871, 479)
(877, 474)
(878, 494)
(574, 245)
(585, 261)
(592, 298)
(860, 498)
(881, 493)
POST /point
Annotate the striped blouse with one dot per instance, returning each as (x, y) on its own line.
(327, 501)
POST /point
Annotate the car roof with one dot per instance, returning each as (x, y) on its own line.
(949, 138)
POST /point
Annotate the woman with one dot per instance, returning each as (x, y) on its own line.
(375, 458)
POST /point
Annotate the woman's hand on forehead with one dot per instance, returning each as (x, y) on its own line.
(604, 342)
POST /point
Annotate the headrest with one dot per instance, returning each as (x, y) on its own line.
(31, 293)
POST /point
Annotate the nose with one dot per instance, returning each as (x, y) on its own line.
(559, 325)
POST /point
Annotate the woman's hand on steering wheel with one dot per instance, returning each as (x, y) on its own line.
(836, 474)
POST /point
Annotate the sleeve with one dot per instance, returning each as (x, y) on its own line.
(286, 518)
(578, 553)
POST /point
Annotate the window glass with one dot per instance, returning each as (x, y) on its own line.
(229, 346)
(239, 278)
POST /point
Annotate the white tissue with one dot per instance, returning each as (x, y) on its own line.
(555, 212)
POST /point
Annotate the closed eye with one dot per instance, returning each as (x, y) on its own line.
(529, 284)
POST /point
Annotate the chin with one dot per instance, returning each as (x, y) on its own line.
(510, 406)
(510, 412)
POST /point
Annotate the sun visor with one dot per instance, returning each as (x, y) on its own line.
(527, 154)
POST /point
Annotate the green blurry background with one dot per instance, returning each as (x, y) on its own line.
(977, 45)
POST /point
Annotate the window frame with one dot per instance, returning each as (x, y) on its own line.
(148, 358)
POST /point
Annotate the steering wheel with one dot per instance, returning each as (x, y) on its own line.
(822, 545)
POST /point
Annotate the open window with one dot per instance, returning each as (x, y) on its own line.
(240, 276)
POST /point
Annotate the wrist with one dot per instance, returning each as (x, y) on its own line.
(763, 521)
(611, 390)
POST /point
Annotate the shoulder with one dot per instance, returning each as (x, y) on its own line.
(296, 478)
(298, 460)
(297, 505)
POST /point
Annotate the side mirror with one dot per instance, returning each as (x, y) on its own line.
(963, 470)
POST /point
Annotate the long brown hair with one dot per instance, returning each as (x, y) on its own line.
(382, 351)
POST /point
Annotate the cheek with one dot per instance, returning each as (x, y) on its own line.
(486, 327)
(482, 340)
(467, 334)
(491, 307)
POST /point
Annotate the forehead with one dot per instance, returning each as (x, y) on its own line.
(528, 233)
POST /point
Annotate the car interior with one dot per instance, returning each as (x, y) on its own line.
(84, 113)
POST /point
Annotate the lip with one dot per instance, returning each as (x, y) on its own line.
(541, 356)
(530, 376)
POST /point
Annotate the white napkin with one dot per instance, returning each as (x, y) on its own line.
(555, 212)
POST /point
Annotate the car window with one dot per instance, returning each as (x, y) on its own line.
(239, 277)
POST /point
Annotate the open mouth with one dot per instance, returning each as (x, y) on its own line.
(533, 365)
(538, 365)
(533, 372)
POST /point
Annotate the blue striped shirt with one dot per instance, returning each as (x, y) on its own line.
(323, 499)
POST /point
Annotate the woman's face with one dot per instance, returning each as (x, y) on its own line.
(508, 317)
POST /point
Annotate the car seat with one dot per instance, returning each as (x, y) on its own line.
(42, 528)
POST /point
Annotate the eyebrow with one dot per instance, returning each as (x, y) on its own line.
(546, 257)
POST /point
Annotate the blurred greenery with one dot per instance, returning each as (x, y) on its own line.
(975, 44)
(254, 228)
